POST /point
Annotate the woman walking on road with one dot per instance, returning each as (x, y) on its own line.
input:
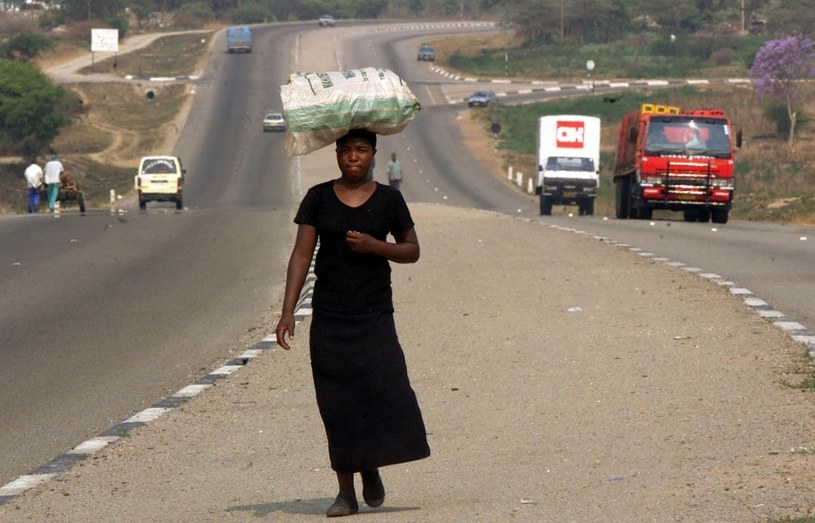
(367, 405)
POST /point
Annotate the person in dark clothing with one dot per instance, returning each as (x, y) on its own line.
(369, 410)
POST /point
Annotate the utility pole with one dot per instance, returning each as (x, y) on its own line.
(561, 20)
(742, 17)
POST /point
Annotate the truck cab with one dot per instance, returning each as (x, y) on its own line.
(678, 160)
(160, 179)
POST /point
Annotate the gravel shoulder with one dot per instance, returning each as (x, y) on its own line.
(561, 378)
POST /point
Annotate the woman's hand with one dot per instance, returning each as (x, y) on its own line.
(360, 242)
(285, 326)
(405, 250)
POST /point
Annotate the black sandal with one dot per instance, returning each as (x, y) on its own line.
(373, 491)
(342, 507)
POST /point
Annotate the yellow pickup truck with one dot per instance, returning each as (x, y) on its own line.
(160, 179)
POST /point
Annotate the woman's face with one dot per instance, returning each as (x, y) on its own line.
(354, 157)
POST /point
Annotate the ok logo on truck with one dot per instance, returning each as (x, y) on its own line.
(570, 134)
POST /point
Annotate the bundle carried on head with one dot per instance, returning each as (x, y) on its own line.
(321, 107)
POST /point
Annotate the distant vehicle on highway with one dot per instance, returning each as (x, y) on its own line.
(160, 179)
(326, 21)
(426, 54)
(239, 39)
(274, 122)
(482, 99)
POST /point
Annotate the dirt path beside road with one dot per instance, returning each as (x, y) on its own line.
(561, 378)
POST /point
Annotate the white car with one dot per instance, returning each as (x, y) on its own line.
(274, 122)
(482, 99)
(326, 21)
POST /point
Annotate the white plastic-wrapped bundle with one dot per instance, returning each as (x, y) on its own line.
(321, 107)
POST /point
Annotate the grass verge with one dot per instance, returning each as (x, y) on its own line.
(169, 56)
(639, 55)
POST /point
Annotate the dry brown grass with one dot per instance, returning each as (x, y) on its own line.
(173, 55)
(15, 23)
(471, 45)
(479, 141)
(62, 52)
(121, 124)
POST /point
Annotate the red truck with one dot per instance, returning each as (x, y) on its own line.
(680, 160)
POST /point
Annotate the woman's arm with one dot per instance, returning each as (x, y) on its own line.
(296, 273)
(405, 250)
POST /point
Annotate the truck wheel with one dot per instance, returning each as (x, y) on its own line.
(703, 216)
(719, 215)
(645, 213)
(690, 215)
(633, 211)
(142, 204)
(546, 206)
(588, 207)
(179, 204)
(621, 200)
(80, 199)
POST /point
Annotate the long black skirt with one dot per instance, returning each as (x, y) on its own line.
(369, 410)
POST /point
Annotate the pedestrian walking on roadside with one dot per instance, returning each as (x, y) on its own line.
(370, 175)
(394, 172)
(53, 170)
(369, 410)
(34, 179)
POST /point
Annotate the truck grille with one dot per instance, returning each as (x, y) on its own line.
(691, 182)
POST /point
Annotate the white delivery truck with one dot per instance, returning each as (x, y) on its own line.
(568, 162)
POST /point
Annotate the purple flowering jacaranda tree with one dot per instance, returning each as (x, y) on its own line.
(781, 70)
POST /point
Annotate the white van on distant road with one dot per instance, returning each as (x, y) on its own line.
(160, 179)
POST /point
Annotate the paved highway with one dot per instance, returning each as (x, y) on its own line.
(773, 261)
(104, 314)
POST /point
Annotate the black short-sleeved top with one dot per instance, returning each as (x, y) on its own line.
(347, 281)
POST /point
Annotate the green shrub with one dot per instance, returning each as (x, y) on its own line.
(200, 10)
(723, 56)
(251, 14)
(777, 113)
(120, 23)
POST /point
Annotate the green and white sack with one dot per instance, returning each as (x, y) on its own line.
(319, 108)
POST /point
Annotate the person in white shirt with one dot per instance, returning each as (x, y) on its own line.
(394, 172)
(33, 177)
(53, 169)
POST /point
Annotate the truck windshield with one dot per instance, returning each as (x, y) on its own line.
(566, 163)
(688, 136)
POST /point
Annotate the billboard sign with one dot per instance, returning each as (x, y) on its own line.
(104, 40)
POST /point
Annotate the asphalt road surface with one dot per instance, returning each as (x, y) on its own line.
(104, 314)
(773, 261)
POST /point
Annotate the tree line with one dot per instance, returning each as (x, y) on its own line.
(535, 20)
(601, 21)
